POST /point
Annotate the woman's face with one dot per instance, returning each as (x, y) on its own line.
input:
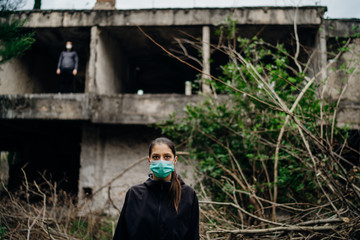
(162, 151)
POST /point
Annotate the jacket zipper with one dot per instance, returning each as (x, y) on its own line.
(159, 209)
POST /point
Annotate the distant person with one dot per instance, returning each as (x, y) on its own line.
(67, 68)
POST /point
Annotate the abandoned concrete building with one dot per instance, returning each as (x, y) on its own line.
(86, 138)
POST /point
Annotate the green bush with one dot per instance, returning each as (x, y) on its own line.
(233, 134)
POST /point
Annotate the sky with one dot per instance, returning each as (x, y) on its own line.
(336, 8)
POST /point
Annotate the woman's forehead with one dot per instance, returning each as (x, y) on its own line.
(161, 148)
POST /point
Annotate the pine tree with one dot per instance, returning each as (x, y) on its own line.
(37, 4)
(13, 41)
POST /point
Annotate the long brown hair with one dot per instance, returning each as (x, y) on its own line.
(175, 187)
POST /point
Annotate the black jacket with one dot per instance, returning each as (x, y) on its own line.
(147, 213)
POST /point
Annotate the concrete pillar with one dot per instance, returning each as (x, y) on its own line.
(206, 59)
(91, 166)
(110, 64)
(106, 70)
(90, 84)
(323, 51)
(4, 169)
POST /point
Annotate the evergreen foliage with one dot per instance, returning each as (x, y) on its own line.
(37, 4)
(13, 40)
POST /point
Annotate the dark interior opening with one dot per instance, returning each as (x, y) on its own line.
(149, 68)
(51, 148)
(334, 46)
(273, 34)
(42, 58)
(351, 152)
(88, 193)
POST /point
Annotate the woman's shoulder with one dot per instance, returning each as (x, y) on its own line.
(184, 186)
(187, 188)
(138, 188)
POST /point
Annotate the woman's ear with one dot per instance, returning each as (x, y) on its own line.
(149, 160)
(175, 160)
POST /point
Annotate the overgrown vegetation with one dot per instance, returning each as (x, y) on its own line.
(41, 211)
(13, 40)
(272, 161)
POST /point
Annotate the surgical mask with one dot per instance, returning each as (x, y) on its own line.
(68, 46)
(161, 168)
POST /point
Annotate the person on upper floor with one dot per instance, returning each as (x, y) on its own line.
(67, 68)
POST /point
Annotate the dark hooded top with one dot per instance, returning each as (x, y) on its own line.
(147, 213)
(68, 60)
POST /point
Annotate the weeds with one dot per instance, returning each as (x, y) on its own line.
(41, 211)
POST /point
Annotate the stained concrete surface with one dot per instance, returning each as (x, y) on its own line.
(168, 17)
(110, 109)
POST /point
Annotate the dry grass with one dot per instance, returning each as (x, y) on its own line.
(44, 212)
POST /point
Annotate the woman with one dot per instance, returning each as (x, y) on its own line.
(163, 207)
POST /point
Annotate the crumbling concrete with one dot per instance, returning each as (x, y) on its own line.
(134, 109)
(348, 116)
(170, 17)
(45, 106)
(345, 73)
(90, 85)
(110, 64)
(104, 4)
(343, 86)
(342, 28)
(100, 109)
(15, 78)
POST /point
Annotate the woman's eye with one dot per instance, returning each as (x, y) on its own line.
(155, 157)
(167, 157)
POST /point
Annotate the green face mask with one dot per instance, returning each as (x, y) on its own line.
(161, 168)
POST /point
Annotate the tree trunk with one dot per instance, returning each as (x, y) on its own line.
(37, 4)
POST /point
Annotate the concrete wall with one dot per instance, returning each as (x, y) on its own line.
(106, 152)
(134, 109)
(113, 109)
(342, 27)
(110, 64)
(343, 84)
(168, 17)
(338, 78)
(45, 106)
(15, 78)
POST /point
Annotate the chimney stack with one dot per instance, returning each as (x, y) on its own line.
(104, 4)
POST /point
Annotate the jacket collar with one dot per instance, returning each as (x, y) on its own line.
(160, 185)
